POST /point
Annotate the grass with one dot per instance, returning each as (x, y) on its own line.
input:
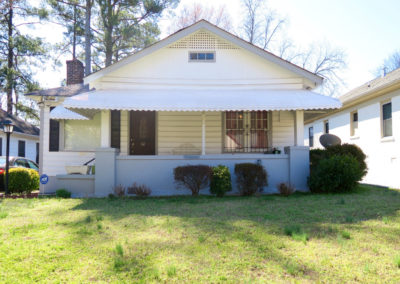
(343, 238)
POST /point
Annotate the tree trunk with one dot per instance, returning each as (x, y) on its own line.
(10, 75)
(108, 45)
(88, 51)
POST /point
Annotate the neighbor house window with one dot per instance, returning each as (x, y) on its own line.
(326, 126)
(354, 123)
(82, 135)
(37, 153)
(311, 136)
(202, 56)
(21, 148)
(387, 119)
(246, 131)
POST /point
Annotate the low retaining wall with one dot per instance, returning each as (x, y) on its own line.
(157, 171)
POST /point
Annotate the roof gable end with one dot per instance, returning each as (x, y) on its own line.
(228, 41)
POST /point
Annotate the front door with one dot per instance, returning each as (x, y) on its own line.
(142, 133)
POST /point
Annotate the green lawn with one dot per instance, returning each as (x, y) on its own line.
(303, 238)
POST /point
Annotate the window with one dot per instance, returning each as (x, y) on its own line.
(246, 131)
(21, 163)
(82, 135)
(311, 136)
(32, 165)
(326, 126)
(21, 148)
(54, 135)
(387, 119)
(202, 56)
(354, 123)
(1, 146)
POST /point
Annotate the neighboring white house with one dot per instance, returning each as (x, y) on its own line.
(200, 96)
(369, 118)
(24, 141)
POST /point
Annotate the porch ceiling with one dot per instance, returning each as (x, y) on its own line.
(201, 100)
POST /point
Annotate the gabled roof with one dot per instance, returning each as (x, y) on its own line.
(66, 91)
(203, 24)
(20, 125)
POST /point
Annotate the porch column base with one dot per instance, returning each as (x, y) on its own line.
(299, 166)
(105, 174)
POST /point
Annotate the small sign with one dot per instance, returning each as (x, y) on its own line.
(44, 179)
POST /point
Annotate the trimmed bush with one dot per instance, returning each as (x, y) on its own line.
(220, 181)
(285, 189)
(339, 173)
(316, 155)
(139, 190)
(23, 180)
(193, 178)
(63, 193)
(250, 177)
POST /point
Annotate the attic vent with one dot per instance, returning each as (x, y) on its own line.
(202, 40)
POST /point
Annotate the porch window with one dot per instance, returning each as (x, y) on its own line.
(246, 131)
(326, 126)
(82, 135)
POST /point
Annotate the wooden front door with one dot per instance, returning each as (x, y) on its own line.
(142, 133)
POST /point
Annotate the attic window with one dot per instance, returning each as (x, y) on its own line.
(201, 56)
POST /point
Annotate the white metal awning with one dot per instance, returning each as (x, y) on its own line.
(201, 100)
(60, 112)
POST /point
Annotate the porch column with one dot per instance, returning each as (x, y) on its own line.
(105, 131)
(299, 128)
(203, 133)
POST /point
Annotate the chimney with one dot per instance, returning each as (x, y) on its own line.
(75, 72)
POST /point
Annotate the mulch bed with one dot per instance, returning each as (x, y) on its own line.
(17, 196)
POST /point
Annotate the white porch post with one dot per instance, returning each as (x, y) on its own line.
(299, 128)
(105, 129)
(203, 133)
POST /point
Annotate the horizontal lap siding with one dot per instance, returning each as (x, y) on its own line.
(181, 132)
(124, 132)
(283, 128)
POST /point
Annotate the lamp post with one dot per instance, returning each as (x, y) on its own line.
(8, 128)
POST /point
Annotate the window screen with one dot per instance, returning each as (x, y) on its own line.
(311, 136)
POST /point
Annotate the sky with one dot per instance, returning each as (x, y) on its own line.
(367, 30)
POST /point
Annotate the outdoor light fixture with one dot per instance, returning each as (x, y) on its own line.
(8, 128)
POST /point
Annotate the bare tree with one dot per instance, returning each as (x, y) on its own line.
(261, 25)
(189, 15)
(325, 61)
(391, 63)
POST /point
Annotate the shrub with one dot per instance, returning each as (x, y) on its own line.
(317, 155)
(352, 150)
(220, 181)
(250, 177)
(139, 190)
(23, 180)
(119, 190)
(192, 177)
(335, 174)
(63, 193)
(285, 189)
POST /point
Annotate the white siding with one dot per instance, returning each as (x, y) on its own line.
(283, 123)
(30, 145)
(124, 132)
(383, 154)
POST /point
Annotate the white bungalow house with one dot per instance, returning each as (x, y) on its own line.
(199, 96)
(369, 118)
(24, 141)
